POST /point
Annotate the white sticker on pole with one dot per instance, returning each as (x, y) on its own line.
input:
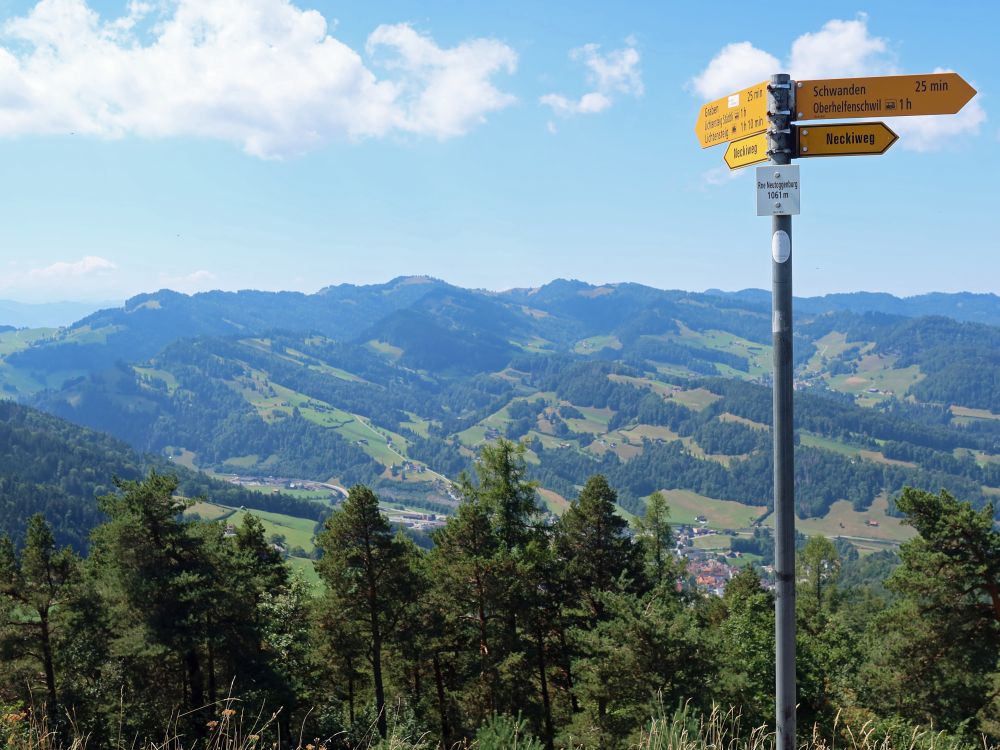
(778, 190)
(781, 246)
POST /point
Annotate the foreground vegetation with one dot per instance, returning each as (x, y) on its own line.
(173, 634)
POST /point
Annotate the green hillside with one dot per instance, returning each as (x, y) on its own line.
(658, 390)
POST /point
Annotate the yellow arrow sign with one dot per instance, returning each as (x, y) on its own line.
(883, 96)
(735, 116)
(844, 140)
(747, 151)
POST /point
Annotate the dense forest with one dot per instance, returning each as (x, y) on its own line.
(575, 631)
(53, 467)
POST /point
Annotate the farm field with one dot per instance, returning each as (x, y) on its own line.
(298, 532)
(813, 440)
(695, 398)
(842, 520)
(685, 506)
(713, 542)
(727, 417)
(965, 414)
(876, 373)
(657, 386)
(596, 343)
(830, 346)
(553, 501)
(757, 355)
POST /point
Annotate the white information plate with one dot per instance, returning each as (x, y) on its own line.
(778, 190)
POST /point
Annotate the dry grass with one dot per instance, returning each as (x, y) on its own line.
(723, 730)
(231, 729)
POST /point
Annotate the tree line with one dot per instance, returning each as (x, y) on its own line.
(580, 625)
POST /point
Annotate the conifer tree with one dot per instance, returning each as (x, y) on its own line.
(162, 582)
(657, 538)
(368, 571)
(595, 547)
(35, 584)
(935, 649)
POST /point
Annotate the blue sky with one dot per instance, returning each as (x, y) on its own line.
(243, 144)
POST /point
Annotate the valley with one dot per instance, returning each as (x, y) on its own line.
(400, 385)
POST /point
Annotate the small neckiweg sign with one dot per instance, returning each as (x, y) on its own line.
(857, 139)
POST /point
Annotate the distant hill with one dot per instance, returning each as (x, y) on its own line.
(397, 385)
(963, 306)
(51, 466)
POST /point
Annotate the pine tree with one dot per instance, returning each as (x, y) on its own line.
(595, 547)
(161, 580)
(657, 539)
(35, 584)
(934, 651)
(367, 569)
(819, 566)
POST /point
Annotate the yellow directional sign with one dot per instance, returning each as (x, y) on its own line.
(735, 116)
(849, 139)
(883, 96)
(747, 151)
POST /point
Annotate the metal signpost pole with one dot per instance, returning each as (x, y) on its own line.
(780, 148)
(756, 124)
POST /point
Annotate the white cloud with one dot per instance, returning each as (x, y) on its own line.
(840, 49)
(196, 281)
(936, 133)
(264, 74)
(722, 175)
(617, 72)
(736, 66)
(90, 265)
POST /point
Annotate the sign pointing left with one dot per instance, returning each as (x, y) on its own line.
(747, 151)
(731, 117)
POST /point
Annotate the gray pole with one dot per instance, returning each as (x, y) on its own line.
(780, 148)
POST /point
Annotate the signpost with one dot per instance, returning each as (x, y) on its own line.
(747, 151)
(856, 139)
(735, 116)
(882, 96)
(757, 124)
(778, 191)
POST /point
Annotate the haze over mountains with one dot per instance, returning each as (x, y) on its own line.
(46, 314)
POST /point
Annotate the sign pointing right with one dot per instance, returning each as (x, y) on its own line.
(846, 139)
(881, 96)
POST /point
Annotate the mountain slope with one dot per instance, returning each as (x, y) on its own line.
(51, 466)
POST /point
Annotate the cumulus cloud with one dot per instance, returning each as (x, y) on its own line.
(90, 265)
(189, 283)
(935, 133)
(840, 49)
(616, 72)
(721, 175)
(264, 74)
(736, 66)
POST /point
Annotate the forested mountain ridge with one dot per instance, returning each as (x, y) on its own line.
(54, 467)
(397, 385)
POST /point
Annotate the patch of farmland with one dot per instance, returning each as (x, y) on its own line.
(727, 417)
(685, 506)
(843, 520)
(695, 398)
